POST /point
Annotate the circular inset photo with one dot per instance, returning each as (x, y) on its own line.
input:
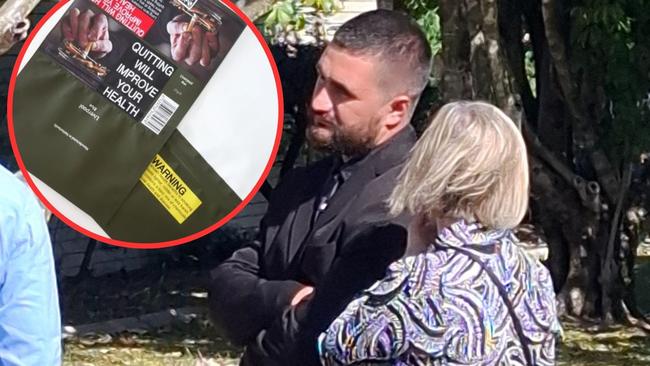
(145, 123)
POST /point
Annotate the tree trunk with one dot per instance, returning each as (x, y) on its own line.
(456, 80)
(474, 66)
(483, 57)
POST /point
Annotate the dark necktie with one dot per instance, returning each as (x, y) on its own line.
(333, 182)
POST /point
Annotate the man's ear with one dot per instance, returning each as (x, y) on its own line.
(398, 110)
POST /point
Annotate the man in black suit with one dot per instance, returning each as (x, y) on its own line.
(326, 234)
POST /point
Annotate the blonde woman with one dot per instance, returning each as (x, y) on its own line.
(464, 293)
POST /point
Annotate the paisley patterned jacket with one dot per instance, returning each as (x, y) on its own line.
(443, 307)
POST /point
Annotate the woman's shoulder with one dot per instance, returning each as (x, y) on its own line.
(407, 278)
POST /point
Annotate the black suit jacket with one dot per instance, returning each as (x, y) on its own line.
(347, 249)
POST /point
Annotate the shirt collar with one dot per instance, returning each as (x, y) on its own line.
(461, 233)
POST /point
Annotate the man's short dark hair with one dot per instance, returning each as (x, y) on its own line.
(392, 36)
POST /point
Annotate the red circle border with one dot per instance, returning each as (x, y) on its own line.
(153, 245)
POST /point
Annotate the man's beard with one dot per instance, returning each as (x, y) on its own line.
(349, 143)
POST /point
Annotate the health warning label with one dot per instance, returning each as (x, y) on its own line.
(169, 189)
(128, 14)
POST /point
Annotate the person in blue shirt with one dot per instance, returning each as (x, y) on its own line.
(30, 323)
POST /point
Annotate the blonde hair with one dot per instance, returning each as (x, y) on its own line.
(470, 163)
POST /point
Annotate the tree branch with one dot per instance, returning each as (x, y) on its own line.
(456, 80)
(547, 156)
(589, 191)
(510, 29)
(605, 174)
(584, 134)
(255, 8)
(558, 53)
(606, 280)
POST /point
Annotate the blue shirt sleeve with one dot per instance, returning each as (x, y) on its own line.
(30, 323)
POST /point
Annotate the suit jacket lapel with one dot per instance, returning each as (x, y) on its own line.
(381, 159)
(344, 195)
(390, 154)
(312, 267)
(301, 221)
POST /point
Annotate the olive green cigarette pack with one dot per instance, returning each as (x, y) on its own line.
(100, 128)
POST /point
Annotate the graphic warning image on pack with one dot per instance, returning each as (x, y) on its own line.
(128, 56)
(113, 79)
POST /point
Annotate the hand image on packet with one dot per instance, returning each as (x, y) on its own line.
(84, 32)
(81, 56)
(193, 35)
(210, 22)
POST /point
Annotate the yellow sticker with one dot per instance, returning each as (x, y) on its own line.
(169, 189)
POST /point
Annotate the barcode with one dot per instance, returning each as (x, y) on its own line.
(160, 113)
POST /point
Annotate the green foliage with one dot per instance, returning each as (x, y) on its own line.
(610, 43)
(529, 64)
(284, 14)
(324, 6)
(293, 15)
(426, 14)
